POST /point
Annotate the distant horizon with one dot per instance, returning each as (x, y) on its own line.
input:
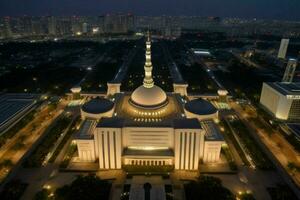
(244, 9)
(115, 13)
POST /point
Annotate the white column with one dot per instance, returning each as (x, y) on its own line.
(96, 142)
(106, 153)
(187, 150)
(100, 144)
(111, 150)
(118, 149)
(192, 151)
(177, 149)
(197, 149)
(182, 150)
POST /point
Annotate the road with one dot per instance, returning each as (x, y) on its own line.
(276, 147)
(60, 139)
(48, 174)
(279, 154)
(27, 136)
(100, 59)
(209, 72)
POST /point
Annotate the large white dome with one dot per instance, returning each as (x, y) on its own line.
(148, 97)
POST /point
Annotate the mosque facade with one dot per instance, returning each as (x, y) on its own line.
(148, 127)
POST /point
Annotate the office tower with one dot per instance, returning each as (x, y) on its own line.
(27, 26)
(52, 24)
(76, 25)
(290, 71)
(116, 23)
(64, 26)
(281, 100)
(7, 33)
(85, 28)
(283, 48)
(131, 22)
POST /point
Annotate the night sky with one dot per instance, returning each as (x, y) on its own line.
(270, 9)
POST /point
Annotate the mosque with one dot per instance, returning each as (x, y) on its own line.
(148, 127)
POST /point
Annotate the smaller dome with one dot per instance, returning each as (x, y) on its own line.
(76, 89)
(200, 107)
(97, 106)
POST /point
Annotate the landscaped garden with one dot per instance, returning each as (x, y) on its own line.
(53, 133)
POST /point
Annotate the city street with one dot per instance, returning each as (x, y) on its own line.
(31, 133)
(280, 149)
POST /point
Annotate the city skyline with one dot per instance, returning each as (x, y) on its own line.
(233, 8)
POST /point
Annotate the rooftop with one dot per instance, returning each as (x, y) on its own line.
(286, 88)
(186, 123)
(294, 129)
(86, 130)
(111, 122)
(14, 106)
(97, 105)
(200, 107)
(212, 133)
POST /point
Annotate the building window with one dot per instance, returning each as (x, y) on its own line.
(295, 110)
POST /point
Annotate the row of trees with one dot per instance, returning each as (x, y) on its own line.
(88, 187)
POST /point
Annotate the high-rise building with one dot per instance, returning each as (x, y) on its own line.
(52, 25)
(117, 23)
(85, 28)
(282, 100)
(39, 26)
(26, 25)
(64, 26)
(131, 22)
(283, 48)
(290, 70)
(7, 29)
(76, 25)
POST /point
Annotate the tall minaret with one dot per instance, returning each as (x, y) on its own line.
(148, 81)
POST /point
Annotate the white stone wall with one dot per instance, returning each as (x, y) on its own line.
(188, 144)
(86, 150)
(109, 147)
(276, 103)
(212, 150)
(148, 137)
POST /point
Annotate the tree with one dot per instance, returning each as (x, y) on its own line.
(209, 188)
(6, 163)
(84, 188)
(42, 195)
(281, 192)
(246, 196)
(13, 190)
